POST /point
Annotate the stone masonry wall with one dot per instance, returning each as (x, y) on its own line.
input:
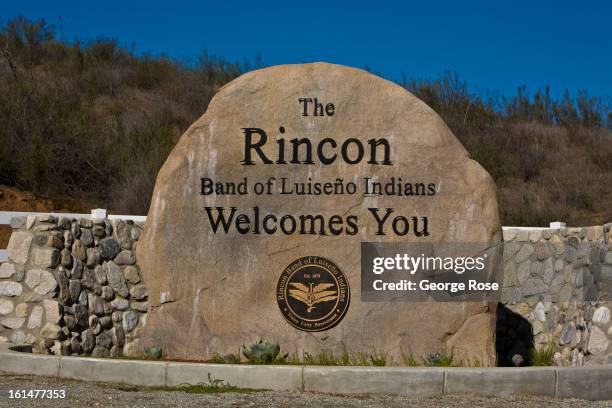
(556, 292)
(72, 286)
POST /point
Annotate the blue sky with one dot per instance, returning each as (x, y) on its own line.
(493, 45)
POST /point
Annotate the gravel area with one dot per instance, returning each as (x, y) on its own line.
(107, 395)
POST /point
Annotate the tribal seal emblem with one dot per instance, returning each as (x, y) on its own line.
(313, 294)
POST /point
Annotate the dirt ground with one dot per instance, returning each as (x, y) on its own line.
(79, 394)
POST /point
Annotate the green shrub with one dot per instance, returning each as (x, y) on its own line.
(378, 360)
(542, 357)
(327, 358)
(154, 353)
(409, 359)
(323, 358)
(233, 358)
(262, 352)
(439, 359)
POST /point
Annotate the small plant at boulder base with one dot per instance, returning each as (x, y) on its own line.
(263, 352)
(542, 357)
(369, 359)
(345, 357)
(289, 359)
(378, 360)
(154, 353)
(439, 359)
(474, 363)
(324, 358)
(232, 358)
(409, 359)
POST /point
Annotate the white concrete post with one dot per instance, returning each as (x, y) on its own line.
(98, 214)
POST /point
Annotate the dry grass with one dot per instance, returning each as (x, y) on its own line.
(548, 173)
(96, 122)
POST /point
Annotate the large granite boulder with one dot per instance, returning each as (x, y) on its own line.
(210, 292)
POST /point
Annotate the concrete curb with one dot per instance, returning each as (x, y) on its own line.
(375, 380)
(591, 383)
(501, 381)
(151, 374)
(244, 376)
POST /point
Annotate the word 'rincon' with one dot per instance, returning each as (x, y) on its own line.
(352, 151)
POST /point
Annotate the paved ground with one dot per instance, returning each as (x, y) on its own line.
(106, 395)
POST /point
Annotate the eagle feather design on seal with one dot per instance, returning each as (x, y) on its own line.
(311, 295)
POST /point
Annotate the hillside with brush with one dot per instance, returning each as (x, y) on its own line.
(94, 121)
